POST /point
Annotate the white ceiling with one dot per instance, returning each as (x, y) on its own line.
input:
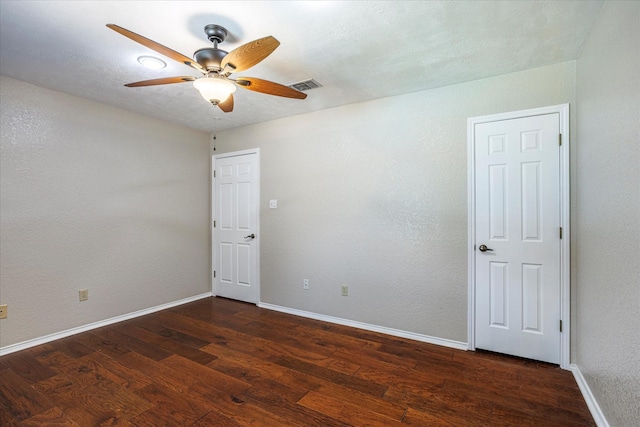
(358, 50)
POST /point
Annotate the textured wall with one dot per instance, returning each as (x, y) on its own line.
(374, 196)
(607, 247)
(99, 198)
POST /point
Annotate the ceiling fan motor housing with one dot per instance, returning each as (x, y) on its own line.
(210, 58)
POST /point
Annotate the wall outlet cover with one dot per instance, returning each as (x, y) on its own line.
(3, 311)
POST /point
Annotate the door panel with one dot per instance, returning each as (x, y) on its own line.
(517, 214)
(499, 294)
(235, 242)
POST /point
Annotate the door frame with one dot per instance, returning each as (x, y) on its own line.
(565, 243)
(256, 241)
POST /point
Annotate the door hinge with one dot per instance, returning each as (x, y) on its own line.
(559, 139)
(560, 323)
(561, 232)
(214, 223)
(214, 276)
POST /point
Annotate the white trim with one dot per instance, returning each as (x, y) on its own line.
(367, 326)
(565, 244)
(594, 408)
(471, 230)
(256, 151)
(58, 335)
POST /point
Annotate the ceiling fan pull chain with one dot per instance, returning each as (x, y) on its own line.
(214, 129)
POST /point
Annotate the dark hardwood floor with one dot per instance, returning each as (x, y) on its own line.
(217, 362)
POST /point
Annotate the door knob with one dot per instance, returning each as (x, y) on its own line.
(250, 236)
(484, 248)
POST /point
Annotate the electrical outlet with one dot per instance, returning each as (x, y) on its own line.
(305, 284)
(3, 311)
(84, 294)
(345, 291)
(273, 204)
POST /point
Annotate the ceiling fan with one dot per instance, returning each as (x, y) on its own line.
(217, 65)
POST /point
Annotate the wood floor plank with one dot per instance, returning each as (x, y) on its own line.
(218, 362)
(401, 377)
(58, 387)
(169, 408)
(414, 417)
(84, 371)
(102, 345)
(6, 418)
(459, 410)
(366, 401)
(28, 367)
(214, 419)
(172, 334)
(72, 347)
(20, 399)
(242, 366)
(510, 398)
(103, 403)
(113, 334)
(129, 378)
(195, 372)
(238, 410)
(171, 345)
(346, 411)
(283, 398)
(344, 343)
(160, 374)
(52, 417)
(179, 322)
(355, 383)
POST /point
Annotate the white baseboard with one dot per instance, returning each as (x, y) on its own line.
(594, 408)
(367, 326)
(56, 336)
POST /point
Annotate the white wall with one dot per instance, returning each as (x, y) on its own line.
(374, 196)
(607, 244)
(99, 198)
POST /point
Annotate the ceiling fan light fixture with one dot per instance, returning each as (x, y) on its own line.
(152, 62)
(214, 89)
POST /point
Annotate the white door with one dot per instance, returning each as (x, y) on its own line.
(235, 232)
(517, 237)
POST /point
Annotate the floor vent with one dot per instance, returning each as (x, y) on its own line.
(305, 85)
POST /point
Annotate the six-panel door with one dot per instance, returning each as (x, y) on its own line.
(517, 193)
(235, 214)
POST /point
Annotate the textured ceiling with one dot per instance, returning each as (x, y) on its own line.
(358, 50)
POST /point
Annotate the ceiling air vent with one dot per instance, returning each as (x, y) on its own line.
(305, 85)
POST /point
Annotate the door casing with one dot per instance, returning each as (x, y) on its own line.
(255, 151)
(565, 243)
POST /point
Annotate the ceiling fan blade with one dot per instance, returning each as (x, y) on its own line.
(157, 47)
(248, 55)
(162, 81)
(270, 88)
(227, 105)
